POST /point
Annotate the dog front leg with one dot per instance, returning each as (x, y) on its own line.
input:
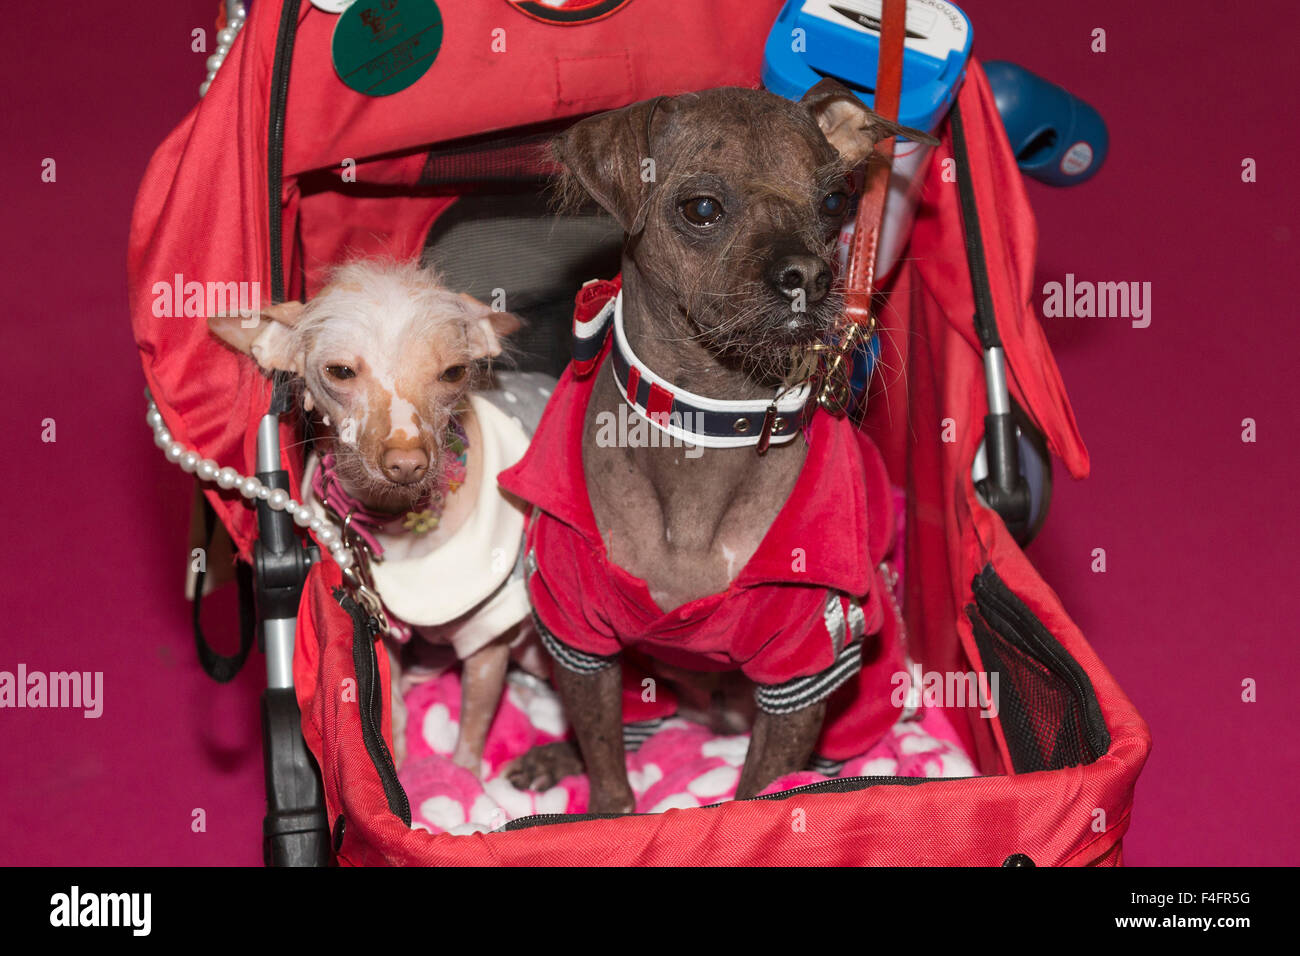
(780, 744)
(593, 703)
(482, 677)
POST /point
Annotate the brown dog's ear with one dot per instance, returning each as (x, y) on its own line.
(609, 157)
(849, 125)
(488, 328)
(267, 336)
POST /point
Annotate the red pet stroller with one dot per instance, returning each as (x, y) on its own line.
(282, 171)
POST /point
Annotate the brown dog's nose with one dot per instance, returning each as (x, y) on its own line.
(790, 274)
(403, 466)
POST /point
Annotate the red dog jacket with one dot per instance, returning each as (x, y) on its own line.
(802, 617)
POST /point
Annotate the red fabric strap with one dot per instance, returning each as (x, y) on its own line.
(860, 280)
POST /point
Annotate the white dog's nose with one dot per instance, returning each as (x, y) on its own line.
(403, 466)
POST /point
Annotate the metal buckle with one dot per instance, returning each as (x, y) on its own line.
(360, 583)
(835, 393)
(364, 595)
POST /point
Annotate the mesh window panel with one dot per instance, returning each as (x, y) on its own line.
(511, 249)
(514, 158)
(1046, 703)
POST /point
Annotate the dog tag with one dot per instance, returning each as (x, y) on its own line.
(765, 434)
(383, 46)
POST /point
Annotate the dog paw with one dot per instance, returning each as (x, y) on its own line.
(544, 766)
(618, 800)
(473, 762)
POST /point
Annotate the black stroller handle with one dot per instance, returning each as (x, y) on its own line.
(1004, 489)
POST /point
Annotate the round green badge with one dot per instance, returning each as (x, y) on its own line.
(383, 46)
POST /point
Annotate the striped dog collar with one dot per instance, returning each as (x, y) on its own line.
(689, 418)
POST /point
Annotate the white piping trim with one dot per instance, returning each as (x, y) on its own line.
(585, 330)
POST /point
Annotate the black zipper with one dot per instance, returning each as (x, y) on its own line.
(282, 394)
(838, 785)
(846, 785)
(275, 142)
(370, 706)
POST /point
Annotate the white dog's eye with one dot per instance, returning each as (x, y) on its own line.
(454, 373)
(340, 372)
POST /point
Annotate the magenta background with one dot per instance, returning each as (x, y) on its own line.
(1200, 529)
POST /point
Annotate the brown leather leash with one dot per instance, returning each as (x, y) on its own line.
(858, 324)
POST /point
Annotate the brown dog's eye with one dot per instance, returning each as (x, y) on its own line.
(454, 374)
(702, 210)
(834, 204)
(340, 372)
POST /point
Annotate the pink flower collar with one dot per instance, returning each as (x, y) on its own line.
(367, 522)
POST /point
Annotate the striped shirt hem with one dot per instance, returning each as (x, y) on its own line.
(570, 658)
(804, 691)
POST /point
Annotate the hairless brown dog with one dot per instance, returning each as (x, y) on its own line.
(732, 201)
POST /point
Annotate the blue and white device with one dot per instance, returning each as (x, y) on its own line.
(1057, 137)
(812, 39)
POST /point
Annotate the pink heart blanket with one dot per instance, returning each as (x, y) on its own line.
(681, 765)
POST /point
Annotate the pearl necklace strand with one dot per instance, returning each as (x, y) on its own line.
(235, 17)
(277, 499)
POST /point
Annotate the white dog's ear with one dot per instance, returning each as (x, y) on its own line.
(487, 328)
(268, 336)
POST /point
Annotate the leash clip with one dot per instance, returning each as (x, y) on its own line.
(366, 597)
(835, 392)
(357, 575)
